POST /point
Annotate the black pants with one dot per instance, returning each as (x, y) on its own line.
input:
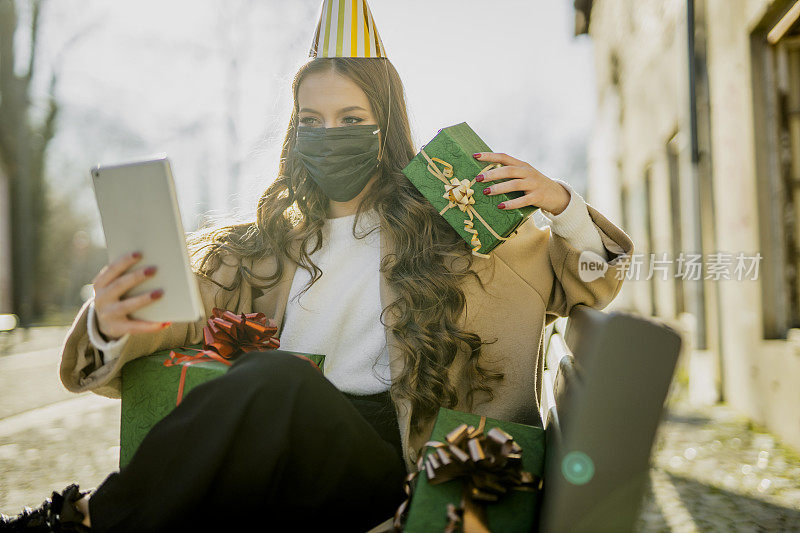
(271, 445)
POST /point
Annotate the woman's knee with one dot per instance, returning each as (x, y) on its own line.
(274, 366)
(270, 378)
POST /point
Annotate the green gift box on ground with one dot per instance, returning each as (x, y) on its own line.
(150, 392)
(515, 511)
(446, 178)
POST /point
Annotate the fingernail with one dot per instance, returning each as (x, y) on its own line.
(165, 324)
(501, 205)
(486, 190)
(149, 271)
(136, 255)
(479, 177)
(476, 155)
(158, 293)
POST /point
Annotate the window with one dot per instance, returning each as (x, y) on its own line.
(648, 226)
(674, 205)
(775, 47)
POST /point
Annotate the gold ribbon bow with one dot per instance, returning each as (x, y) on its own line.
(459, 194)
(491, 463)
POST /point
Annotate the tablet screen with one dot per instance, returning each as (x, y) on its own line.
(139, 211)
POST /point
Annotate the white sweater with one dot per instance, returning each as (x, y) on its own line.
(339, 316)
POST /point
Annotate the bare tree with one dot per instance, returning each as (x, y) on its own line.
(22, 155)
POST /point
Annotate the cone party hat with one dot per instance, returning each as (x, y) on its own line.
(346, 29)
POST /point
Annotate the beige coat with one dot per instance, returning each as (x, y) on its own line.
(530, 279)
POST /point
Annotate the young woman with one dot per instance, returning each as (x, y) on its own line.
(352, 262)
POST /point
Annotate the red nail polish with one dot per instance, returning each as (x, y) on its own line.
(477, 155)
(136, 255)
(486, 190)
(501, 205)
(479, 177)
(149, 271)
(157, 294)
(165, 324)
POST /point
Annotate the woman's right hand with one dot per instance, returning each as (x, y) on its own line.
(111, 312)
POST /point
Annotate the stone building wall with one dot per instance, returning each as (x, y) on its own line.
(642, 175)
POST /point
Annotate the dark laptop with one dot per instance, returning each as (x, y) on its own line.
(601, 407)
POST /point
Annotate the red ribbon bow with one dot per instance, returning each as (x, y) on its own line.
(227, 335)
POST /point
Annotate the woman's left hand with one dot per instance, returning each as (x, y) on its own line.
(538, 189)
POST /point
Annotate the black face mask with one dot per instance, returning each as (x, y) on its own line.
(340, 160)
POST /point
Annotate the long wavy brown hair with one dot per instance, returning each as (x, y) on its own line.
(430, 263)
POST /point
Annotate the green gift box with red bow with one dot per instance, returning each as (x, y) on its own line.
(153, 385)
(150, 392)
(480, 469)
(444, 172)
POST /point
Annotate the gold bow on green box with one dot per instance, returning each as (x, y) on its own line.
(476, 474)
(444, 172)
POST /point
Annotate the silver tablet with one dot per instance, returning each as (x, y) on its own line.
(139, 211)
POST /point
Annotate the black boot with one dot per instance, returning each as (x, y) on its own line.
(57, 514)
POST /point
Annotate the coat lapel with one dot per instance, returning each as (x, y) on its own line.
(282, 297)
(273, 302)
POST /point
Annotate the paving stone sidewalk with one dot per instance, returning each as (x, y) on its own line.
(82, 445)
(713, 470)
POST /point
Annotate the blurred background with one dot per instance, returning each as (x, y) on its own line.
(679, 120)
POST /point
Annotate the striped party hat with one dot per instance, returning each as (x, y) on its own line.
(346, 29)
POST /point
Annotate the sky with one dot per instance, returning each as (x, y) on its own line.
(208, 82)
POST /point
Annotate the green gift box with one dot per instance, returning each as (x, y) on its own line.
(150, 392)
(444, 172)
(515, 510)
